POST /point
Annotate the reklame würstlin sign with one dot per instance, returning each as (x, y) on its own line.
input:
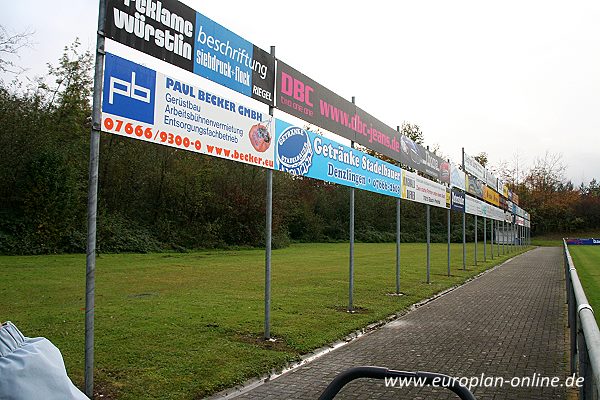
(177, 34)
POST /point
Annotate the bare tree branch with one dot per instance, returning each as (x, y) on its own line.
(10, 45)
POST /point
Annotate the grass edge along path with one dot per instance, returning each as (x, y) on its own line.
(587, 264)
(188, 325)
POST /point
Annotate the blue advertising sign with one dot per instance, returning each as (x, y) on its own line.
(585, 242)
(129, 89)
(304, 153)
(457, 200)
(232, 61)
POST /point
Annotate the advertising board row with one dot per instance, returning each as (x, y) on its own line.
(478, 188)
(179, 35)
(148, 105)
(190, 114)
(480, 208)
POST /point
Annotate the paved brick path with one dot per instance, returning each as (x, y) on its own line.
(509, 322)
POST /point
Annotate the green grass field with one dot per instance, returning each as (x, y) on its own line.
(183, 326)
(587, 263)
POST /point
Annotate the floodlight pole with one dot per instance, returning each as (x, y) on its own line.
(92, 208)
(268, 239)
(351, 261)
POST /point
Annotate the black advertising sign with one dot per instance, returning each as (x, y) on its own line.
(417, 157)
(181, 36)
(306, 99)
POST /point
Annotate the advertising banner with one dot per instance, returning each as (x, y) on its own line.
(496, 213)
(458, 200)
(485, 207)
(422, 190)
(144, 104)
(515, 198)
(417, 157)
(474, 168)
(474, 186)
(503, 203)
(585, 242)
(520, 221)
(473, 206)
(500, 187)
(308, 100)
(457, 177)
(177, 34)
(491, 196)
(490, 179)
(304, 153)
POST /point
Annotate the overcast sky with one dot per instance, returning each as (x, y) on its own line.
(506, 78)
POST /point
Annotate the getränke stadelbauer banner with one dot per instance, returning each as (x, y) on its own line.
(305, 153)
(144, 104)
(173, 32)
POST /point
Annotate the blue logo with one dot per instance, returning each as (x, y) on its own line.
(129, 89)
(294, 151)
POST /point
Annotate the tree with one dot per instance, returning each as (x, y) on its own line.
(547, 173)
(482, 158)
(413, 132)
(10, 45)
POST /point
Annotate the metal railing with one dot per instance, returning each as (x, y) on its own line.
(585, 336)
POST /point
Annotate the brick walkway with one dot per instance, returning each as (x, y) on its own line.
(509, 322)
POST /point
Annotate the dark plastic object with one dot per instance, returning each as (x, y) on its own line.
(381, 373)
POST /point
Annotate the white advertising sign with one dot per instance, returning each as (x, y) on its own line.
(457, 177)
(473, 206)
(144, 104)
(474, 168)
(491, 179)
(422, 190)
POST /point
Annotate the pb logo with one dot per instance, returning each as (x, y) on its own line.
(129, 89)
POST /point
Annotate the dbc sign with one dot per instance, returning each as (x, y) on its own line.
(295, 88)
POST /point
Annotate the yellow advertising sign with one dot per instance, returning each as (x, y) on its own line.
(491, 196)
